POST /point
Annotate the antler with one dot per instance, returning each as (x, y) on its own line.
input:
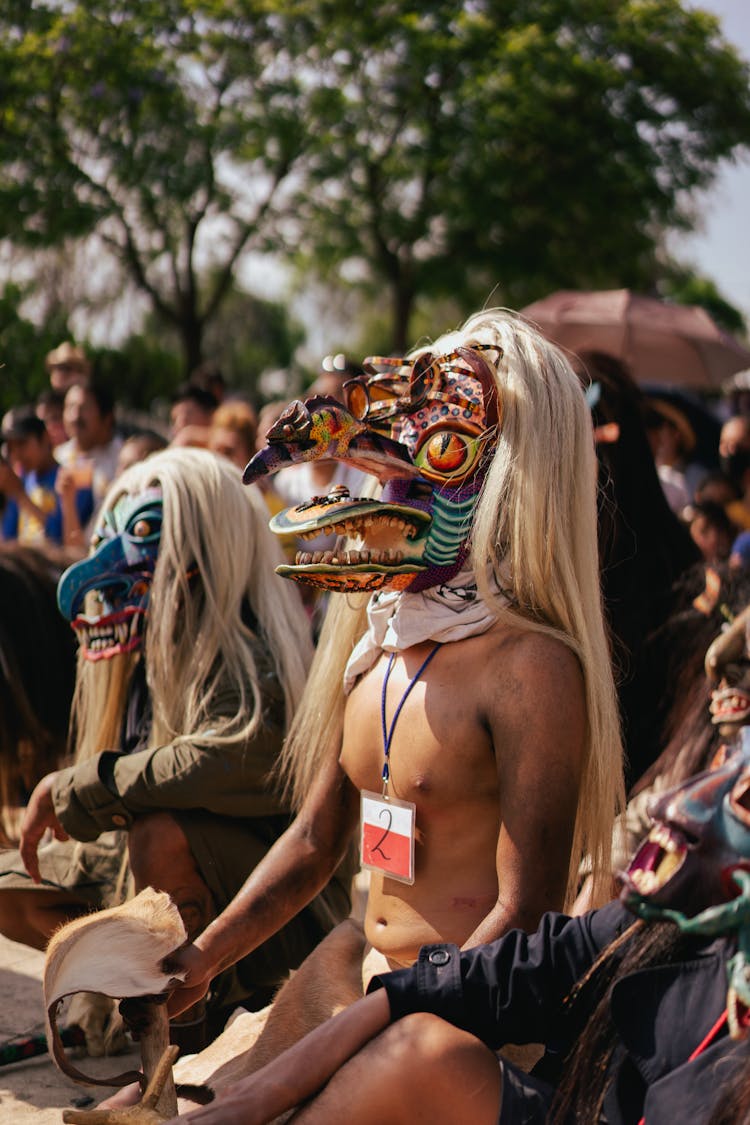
(120, 952)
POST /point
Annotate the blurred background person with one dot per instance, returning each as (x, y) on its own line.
(739, 556)
(712, 531)
(233, 432)
(66, 366)
(718, 487)
(672, 440)
(137, 447)
(209, 377)
(89, 456)
(190, 415)
(34, 512)
(643, 550)
(734, 456)
(49, 407)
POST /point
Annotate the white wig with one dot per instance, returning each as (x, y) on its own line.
(535, 528)
(216, 557)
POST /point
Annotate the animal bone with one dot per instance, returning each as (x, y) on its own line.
(118, 953)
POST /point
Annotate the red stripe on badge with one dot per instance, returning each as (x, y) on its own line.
(387, 850)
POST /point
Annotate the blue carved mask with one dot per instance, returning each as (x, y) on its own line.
(105, 596)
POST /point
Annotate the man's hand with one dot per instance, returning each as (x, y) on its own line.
(39, 816)
(65, 484)
(191, 961)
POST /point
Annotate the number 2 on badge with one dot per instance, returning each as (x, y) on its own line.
(387, 836)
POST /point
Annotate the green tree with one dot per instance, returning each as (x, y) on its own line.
(167, 126)
(509, 145)
(23, 347)
(686, 287)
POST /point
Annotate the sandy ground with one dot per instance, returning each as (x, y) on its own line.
(34, 1090)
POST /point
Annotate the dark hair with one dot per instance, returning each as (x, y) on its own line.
(37, 670)
(101, 394)
(718, 476)
(643, 549)
(587, 1072)
(51, 397)
(716, 516)
(208, 375)
(22, 422)
(190, 392)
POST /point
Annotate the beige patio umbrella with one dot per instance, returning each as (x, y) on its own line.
(660, 342)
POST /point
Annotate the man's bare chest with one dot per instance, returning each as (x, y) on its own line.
(439, 750)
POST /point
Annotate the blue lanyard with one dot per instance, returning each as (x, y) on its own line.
(388, 731)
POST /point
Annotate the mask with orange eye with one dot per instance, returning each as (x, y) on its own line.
(106, 596)
(426, 429)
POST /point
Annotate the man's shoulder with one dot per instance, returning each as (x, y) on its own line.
(518, 640)
(518, 662)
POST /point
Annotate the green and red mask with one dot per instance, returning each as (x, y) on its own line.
(693, 868)
(106, 595)
(426, 430)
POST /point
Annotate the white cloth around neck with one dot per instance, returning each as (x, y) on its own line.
(397, 620)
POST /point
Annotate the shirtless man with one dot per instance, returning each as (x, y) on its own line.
(487, 663)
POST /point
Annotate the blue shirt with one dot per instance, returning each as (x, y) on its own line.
(40, 488)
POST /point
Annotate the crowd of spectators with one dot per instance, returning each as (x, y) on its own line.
(61, 452)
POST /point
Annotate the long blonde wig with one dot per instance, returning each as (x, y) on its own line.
(216, 554)
(535, 530)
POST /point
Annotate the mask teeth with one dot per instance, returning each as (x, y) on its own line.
(95, 638)
(355, 527)
(349, 558)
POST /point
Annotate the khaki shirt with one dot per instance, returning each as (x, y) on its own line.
(112, 788)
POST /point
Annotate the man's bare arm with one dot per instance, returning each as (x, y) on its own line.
(294, 870)
(537, 719)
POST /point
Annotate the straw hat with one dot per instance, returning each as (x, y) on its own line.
(673, 414)
(68, 355)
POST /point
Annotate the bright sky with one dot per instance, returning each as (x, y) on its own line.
(721, 247)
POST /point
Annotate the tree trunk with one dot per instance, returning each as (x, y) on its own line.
(191, 338)
(402, 303)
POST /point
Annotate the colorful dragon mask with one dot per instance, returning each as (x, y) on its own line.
(426, 430)
(106, 596)
(693, 868)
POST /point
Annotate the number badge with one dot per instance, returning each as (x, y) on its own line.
(387, 836)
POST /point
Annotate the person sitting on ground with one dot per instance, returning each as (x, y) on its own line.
(190, 667)
(493, 795)
(34, 513)
(642, 1005)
